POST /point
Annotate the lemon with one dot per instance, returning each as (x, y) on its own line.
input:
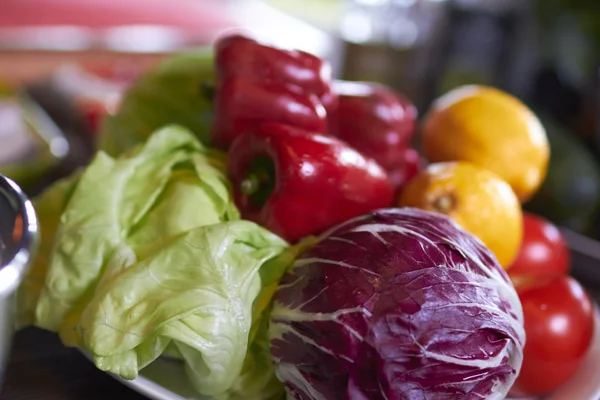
(477, 199)
(492, 129)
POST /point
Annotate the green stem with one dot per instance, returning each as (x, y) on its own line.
(250, 185)
(260, 181)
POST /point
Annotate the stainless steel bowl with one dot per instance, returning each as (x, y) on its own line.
(18, 244)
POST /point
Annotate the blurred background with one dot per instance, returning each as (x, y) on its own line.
(65, 63)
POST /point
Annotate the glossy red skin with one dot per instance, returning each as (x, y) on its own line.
(241, 104)
(553, 353)
(374, 119)
(320, 181)
(409, 165)
(258, 83)
(543, 252)
(241, 56)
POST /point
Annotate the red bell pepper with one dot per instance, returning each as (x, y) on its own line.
(297, 183)
(257, 83)
(241, 104)
(374, 119)
(244, 57)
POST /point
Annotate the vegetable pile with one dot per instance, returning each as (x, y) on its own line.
(244, 215)
(150, 256)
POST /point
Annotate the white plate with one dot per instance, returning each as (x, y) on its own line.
(165, 379)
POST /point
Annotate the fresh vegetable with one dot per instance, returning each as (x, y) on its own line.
(48, 208)
(543, 251)
(492, 129)
(258, 83)
(559, 324)
(176, 91)
(373, 119)
(243, 57)
(397, 303)
(298, 183)
(149, 256)
(241, 104)
(477, 199)
(146, 254)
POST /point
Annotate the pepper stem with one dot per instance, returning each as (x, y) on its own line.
(249, 186)
(259, 182)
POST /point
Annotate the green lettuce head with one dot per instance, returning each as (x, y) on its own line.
(146, 253)
(176, 91)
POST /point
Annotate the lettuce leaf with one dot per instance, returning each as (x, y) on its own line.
(170, 93)
(49, 206)
(198, 291)
(150, 255)
(257, 379)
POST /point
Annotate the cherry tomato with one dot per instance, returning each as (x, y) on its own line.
(543, 251)
(559, 324)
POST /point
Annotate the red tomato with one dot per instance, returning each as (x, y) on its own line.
(543, 252)
(559, 324)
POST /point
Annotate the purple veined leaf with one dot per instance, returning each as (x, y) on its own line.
(397, 304)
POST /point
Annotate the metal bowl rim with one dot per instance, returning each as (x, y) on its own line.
(13, 270)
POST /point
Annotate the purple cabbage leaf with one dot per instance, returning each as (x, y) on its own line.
(397, 304)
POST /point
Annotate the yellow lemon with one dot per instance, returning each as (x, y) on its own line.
(476, 198)
(490, 128)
